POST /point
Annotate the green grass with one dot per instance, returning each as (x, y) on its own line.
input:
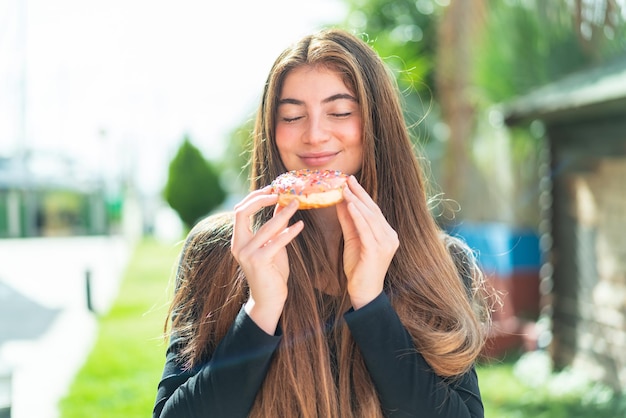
(525, 387)
(120, 376)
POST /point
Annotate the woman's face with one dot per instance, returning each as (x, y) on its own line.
(318, 123)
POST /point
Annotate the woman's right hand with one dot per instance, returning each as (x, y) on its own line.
(262, 255)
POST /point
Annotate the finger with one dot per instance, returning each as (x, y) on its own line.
(268, 249)
(379, 239)
(275, 225)
(368, 223)
(278, 208)
(248, 207)
(265, 191)
(345, 219)
(361, 225)
(251, 204)
(355, 190)
(284, 237)
(366, 210)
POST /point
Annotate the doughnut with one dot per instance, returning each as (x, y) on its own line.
(312, 188)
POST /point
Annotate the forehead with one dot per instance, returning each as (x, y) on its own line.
(313, 80)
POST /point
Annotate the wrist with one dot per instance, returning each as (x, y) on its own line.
(266, 316)
(360, 300)
(359, 303)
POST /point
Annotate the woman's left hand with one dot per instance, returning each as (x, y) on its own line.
(369, 244)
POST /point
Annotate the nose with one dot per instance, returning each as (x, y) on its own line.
(316, 131)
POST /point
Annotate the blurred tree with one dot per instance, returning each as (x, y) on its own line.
(528, 43)
(453, 61)
(600, 27)
(431, 44)
(429, 40)
(193, 188)
(404, 33)
(472, 55)
(459, 28)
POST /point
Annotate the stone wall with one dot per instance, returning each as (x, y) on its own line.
(588, 254)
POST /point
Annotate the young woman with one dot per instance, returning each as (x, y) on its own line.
(362, 309)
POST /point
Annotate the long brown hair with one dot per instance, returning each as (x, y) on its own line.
(423, 282)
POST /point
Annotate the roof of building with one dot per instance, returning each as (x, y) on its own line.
(586, 94)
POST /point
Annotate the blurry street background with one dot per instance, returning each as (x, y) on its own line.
(95, 98)
(109, 109)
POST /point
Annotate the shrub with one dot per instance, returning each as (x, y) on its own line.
(193, 188)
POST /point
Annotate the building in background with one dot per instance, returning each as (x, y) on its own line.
(51, 195)
(583, 233)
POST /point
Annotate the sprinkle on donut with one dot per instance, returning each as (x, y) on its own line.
(312, 188)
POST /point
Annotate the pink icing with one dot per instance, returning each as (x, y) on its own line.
(305, 181)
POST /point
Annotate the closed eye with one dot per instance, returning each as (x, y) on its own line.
(289, 120)
(341, 115)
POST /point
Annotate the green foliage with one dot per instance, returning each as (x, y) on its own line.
(404, 33)
(524, 49)
(511, 389)
(522, 45)
(526, 43)
(193, 188)
(529, 43)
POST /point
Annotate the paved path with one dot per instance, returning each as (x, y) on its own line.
(47, 326)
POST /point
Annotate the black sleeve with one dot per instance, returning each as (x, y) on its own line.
(224, 387)
(406, 385)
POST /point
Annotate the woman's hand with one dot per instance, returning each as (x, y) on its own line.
(369, 244)
(262, 256)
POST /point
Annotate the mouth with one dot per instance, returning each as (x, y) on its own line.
(317, 159)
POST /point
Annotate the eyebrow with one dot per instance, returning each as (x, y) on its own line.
(332, 98)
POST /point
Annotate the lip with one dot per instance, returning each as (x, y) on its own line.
(317, 159)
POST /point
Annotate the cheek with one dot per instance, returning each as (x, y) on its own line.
(284, 141)
(355, 136)
(353, 141)
(281, 136)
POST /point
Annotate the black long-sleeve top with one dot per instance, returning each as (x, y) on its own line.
(226, 386)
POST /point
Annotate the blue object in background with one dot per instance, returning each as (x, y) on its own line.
(501, 249)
